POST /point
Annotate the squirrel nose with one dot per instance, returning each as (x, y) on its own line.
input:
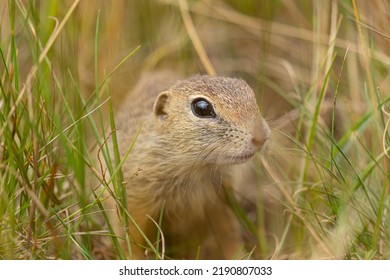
(258, 142)
(261, 133)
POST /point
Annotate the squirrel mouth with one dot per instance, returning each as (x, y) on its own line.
(241, 158)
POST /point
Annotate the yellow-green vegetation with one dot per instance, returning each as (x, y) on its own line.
(320, 70)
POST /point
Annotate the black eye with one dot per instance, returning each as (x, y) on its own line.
(202, 108)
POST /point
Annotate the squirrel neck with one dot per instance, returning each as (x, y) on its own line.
(180, 186)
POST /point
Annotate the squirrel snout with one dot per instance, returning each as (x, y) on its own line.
(261, 133)
(258, 142)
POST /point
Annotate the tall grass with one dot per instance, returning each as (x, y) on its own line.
(320, 71)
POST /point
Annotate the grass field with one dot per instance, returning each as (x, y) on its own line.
(320, 70)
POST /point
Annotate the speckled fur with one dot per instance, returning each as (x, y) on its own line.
(185, 160)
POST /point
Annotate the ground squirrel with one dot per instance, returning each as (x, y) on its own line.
(191, 134)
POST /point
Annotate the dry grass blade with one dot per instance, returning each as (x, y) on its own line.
(195, 38)
(30, 77)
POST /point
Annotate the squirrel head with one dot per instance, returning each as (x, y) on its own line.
(214, 120)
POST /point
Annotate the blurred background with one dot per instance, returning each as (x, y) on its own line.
(320, 71)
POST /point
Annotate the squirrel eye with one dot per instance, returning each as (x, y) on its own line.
(202, 108)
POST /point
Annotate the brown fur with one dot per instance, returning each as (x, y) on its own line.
(185, 162)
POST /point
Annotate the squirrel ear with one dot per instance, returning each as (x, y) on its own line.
(160, 105)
